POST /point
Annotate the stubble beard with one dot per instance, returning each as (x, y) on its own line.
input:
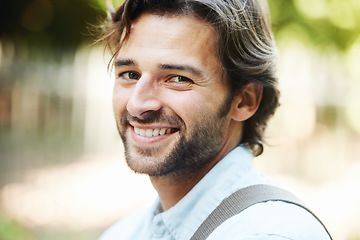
(189, 153)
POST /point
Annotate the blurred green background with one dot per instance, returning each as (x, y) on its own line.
(61, 169)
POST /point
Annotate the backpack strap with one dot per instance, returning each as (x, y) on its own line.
(241, 200)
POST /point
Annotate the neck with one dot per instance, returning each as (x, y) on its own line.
(172, 188)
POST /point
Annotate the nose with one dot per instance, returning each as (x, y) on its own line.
(144, 97)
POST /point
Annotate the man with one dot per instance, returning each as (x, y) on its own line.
(194, 89)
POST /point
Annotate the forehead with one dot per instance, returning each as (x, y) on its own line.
(186, 34)
(173, 24)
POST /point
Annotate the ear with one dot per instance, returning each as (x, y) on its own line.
(246, 102)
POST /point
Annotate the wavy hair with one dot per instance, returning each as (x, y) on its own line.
(246, 47)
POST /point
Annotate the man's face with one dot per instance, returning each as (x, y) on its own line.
(171, 101)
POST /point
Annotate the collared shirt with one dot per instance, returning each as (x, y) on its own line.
(272, 220)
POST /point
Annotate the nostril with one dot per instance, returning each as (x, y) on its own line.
(139, 107)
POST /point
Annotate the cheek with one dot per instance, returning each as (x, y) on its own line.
(205, 108)
(119, 100)
(190, 106)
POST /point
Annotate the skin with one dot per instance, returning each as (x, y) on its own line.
(168, 76)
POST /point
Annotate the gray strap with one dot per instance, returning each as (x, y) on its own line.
(242, 199)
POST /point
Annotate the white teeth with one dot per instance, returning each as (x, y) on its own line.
(137, 130)
(152, 132)
(156, 132)
(148, 132)
(142, 132)
(162, 131)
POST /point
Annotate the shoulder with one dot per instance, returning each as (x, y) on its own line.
(272, 220)
(135, 224)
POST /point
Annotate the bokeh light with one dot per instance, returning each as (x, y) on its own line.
(62, 172)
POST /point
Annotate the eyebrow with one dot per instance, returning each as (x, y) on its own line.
(181, 67)
(124, 62)
(189, 68)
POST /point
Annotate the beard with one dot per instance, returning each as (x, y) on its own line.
(188, 154)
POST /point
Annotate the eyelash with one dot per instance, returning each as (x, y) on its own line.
(133, 76)
(184, 79)
(123, 75)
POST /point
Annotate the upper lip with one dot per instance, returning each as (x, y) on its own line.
(151, 126)
(153, 131)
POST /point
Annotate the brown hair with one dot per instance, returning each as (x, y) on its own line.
(245, 44)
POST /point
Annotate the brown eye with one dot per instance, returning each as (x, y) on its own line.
(130, 75)
(181, 79)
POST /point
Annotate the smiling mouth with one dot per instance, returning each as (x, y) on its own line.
(153, 132)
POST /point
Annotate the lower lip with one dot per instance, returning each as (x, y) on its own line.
(148, 140)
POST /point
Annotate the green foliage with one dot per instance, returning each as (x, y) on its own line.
(48, 24)
(323, 23)
(11, 230)
(59, 23)
(102, 3)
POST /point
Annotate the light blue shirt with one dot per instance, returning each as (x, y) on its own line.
(273, 220)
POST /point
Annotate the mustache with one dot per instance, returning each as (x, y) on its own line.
(152, 117)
